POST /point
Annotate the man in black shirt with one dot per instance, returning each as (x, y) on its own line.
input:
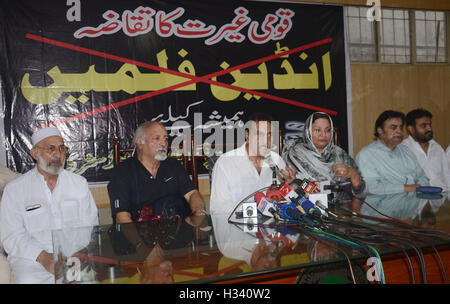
(149, 178)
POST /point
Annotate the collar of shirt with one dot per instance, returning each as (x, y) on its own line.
(140, 166)
(44, 182)
(413, 144)
(384, 148)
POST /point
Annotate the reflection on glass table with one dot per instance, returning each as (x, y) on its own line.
(380, 225)
(225, 247)
(127, 253)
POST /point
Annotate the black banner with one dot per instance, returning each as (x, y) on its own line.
(96, 69)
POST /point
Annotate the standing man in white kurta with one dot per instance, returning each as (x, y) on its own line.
(244, 170)
(45, 198)
(430, 155)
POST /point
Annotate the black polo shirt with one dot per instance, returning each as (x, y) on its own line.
(131, 186)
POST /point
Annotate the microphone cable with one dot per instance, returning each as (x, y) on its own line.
(374, 234)
(395, 238)
(442, 264)
(317, 232)
(349, 264)
(392, 219)
(410, 245)
(337, 241)
(359, 241)
(369, 249)
(411, 268)
(422, 231)
(391, 243)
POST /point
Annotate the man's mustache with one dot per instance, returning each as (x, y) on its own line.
(55, 162)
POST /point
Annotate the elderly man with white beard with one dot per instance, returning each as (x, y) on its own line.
(141, 186)
(44, 199)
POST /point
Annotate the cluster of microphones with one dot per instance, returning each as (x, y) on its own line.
(300, 201)
(304, 201)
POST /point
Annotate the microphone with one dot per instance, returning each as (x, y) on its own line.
(324, 208)
(341, 187)
(315, 213)
(310, 208)
(289, 211)
(282, 208)
(275, 214)
(292, 191)
(301, 202)
(263, 204)
(276, 170)
(294, 214)
(321, 197)
(333, 188)
(305, 204)
(274, 194)
(274, 178)
(296, 186)
(268, 159)
(322, 186)
(308, 186)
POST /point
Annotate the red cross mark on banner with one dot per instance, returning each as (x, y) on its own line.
(191, 78)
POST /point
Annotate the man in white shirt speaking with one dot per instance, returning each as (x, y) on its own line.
(45, 198)
(430, 155)
(240, 172)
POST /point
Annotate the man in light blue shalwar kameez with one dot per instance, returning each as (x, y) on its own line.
(386, 166)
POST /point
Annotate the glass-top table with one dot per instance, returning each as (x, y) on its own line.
(354, 236)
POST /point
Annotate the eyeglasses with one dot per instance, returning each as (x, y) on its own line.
(52, 149)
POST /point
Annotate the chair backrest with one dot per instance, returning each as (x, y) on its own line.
(118, 152)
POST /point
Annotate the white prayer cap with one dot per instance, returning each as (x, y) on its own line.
(43, 133)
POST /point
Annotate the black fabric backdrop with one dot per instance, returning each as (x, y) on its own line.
(95, 69)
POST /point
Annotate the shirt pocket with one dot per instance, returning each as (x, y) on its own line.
(37, 220)
(70, 211)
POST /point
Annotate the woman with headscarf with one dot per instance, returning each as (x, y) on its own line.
(315, 156)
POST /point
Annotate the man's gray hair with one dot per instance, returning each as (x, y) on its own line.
(141, 131)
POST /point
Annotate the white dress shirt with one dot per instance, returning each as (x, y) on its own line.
(434, 162)
(234, 177)
(25, 234)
